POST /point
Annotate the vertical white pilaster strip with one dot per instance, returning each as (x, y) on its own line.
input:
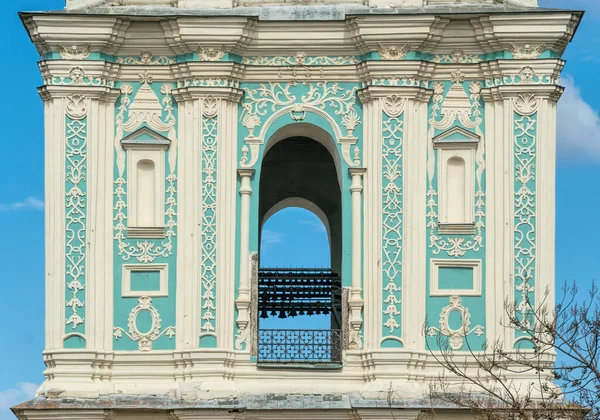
(94, 298)
(226, 205)
(107, 142)
(509, 216)
(546, 203)
(419, 195)
(54, 199)
(492, 275)
(372, 224)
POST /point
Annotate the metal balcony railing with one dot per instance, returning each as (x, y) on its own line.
(299, 346)
(291, 292)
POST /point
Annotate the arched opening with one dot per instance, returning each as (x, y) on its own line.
(299, 279)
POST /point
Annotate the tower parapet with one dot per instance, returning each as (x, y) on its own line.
(229, 4)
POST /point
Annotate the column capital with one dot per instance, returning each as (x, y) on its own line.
(101, 93)
(190, 93)
(246, 172)
(357, 171)
(501, 93)
(417, 93)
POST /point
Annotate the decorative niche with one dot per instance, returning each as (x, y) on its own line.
(456, 180)
(146, 183)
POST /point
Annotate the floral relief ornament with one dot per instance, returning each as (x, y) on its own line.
(456, 336)
(76, 107)
(321, 97)
(526, 104)
(457, 57)
(144, 339)
(210, 107)
(146, 58)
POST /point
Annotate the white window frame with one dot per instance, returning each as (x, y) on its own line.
(163, 270)
(434, 285)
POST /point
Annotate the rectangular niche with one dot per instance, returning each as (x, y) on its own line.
(145, 280)
(145, 183)
(455, 277)
(456, 181)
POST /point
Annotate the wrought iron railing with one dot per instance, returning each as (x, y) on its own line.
(300, 346)
(291, 292)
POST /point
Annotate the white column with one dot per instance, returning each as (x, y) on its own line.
(356, 301)
(243, 301)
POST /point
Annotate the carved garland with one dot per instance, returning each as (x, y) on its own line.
(525, 157)
(209, 216)
(146, 59)
(457, 57)
(276, 99)
(76, 206)
(392, 217)
(456, 336)
(77, 76)
(444, 114)
(145, 108)
(144, 339)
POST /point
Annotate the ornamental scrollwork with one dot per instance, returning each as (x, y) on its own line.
(392, 214)
(146, 108)
(208, 82)
(526, 76)
(146, 59)
(457, 57)
(241, 338)
(456, 106)
(525, 197)
(208, 268)
(320, 97)
(396, 81)
(74, 52)
(300, 59)
(355, 339)
(77, 76)
(455, 336)
(526, 51)
(76, 207)
(144, 339)
(393, 52)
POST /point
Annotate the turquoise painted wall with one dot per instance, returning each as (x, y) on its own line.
(455, 247)
(144, 251)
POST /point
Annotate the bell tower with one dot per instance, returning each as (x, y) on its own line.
(421, 137)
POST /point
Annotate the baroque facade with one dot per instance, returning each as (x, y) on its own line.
(421, 132)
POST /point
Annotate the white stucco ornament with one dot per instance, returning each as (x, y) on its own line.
(228, 4)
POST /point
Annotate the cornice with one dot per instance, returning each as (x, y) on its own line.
(355, 36)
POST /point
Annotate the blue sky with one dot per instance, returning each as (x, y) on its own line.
(21, 194)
